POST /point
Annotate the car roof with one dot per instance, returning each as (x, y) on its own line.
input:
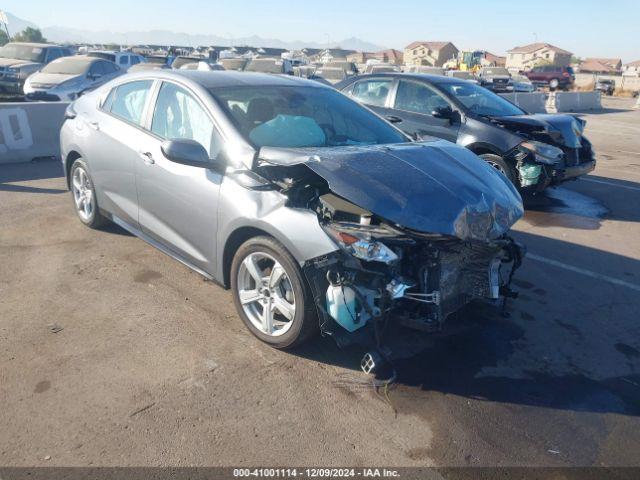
(426, 77)
(34, 44)
(80, 58)
(227, 78)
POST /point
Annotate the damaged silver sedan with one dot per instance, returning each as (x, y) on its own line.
(318, 214)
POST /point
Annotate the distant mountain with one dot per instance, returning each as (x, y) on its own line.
(166, 37)
(17, 24)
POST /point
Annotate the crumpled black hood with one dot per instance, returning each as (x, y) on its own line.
(564, 130)
(431, 187)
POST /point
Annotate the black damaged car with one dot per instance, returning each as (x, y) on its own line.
(532, 150)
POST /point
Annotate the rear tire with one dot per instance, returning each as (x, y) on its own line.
(502, 166)
(291, 316)
(83, 194)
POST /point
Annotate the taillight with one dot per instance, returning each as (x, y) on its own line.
(565, 74)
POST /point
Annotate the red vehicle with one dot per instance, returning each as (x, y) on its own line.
(553, 76)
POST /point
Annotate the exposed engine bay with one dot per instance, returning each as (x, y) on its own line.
(384, 273)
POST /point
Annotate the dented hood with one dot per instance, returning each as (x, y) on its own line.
(431, 187)
(563, 130)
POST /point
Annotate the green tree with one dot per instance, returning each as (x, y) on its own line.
(29, 34)
(3, 37)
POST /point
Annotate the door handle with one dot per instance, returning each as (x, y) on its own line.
(393, 119)
(94, 125)
(147, 158)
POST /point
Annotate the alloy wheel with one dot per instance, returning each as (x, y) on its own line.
(266, 294)
(83, 194)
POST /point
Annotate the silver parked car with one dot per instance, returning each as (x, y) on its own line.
(317, 213)
(67, 78)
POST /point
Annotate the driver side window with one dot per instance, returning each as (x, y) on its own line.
(178, 115)
(372, 92)
(418, 98)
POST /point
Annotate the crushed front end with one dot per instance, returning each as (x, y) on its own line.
(384, 275)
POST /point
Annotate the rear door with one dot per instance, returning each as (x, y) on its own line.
(374, 93)
(414, 103)
(115, 132)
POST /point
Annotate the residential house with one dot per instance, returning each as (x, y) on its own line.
(601, 65)
(528, 56)
(491, 60)
(391, 56)
(434, 54)
(632, 68)
(329, 54)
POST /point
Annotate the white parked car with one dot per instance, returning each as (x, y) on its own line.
(123, 59)
(65, 79)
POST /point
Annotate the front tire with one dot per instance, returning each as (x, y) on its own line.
(84, 195)
(502, 166)
(271, 295)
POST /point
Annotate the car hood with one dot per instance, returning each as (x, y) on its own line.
(14, 62)
(562, 130)
(430, 187)
(52, 79)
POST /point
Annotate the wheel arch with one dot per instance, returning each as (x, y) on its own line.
(231, 246)
(71, 157)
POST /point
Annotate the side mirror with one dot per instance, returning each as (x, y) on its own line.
(444, 112)
(186, 152)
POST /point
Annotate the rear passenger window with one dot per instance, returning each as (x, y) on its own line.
(124, 60)
(128, 100)
(372, 92)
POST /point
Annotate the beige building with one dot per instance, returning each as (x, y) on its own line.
(632, 68)
(528, 56)
(433, 54)
(391, 56)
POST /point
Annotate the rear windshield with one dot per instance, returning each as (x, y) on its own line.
(107, 56)
(68, 66)
(22, 52)
(264, 66)
(277, 116)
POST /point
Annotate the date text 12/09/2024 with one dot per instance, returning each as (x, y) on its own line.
(316, 472)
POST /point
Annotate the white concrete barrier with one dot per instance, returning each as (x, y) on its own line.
(530, 102)
(30, 130)
(574, 101)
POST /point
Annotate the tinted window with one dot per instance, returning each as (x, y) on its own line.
(418, 98)
(127, 101)
(107, 56)
(135, 60)
(109, 67)
(53, 53)
(97, 69)
(372, 92)
(124, 60)
(179, 115)
(278, 116)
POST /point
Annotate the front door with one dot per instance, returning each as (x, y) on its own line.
(179, 203)
(414, 104)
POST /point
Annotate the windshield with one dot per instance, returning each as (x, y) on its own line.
(264, 66)
(107, 56)
(68, 66)
(277, 116)
(22, 52)
(480, 101)
(495, 71)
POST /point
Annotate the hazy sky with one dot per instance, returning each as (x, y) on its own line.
(586, 27)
